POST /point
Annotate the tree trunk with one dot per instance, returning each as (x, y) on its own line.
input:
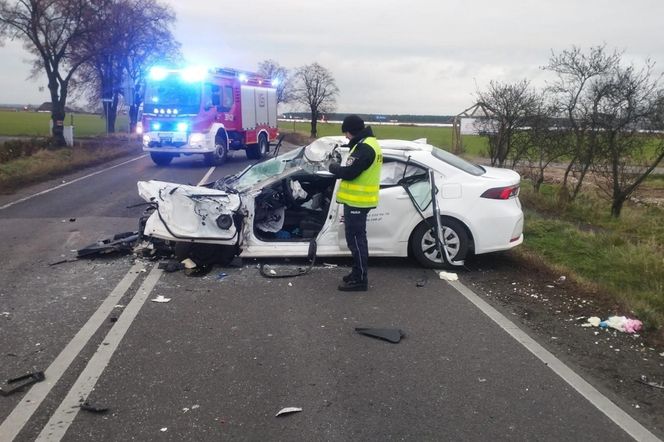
(112, 114)
(617, 205)
(57, 115)
(133, 118)
(314, 122)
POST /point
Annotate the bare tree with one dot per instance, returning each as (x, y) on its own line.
(511, 105)
(50, 29)
(547, 141)
(628, 104)
(575, 71)
(315, 88)
(135, 35)
(272, 70)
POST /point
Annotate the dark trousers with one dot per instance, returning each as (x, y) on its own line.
(355, 224)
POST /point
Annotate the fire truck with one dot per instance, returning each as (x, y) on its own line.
(209, 112)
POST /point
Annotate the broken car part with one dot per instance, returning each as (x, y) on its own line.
(30, 378)
(93, 408)
(392, 335)
(120, 243)
(288, 410)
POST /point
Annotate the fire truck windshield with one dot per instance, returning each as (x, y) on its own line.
(172, 94)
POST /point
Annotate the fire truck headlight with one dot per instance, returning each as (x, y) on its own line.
(146, 140)
(182, 127)
(197, 138)
(156, 126)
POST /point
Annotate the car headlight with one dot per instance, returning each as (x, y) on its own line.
(224, 222)
(146, 140)
(196, 138)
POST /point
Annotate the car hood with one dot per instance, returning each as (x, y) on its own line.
(188, 212)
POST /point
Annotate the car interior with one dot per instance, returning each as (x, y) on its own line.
(296, 207)
(293, 209)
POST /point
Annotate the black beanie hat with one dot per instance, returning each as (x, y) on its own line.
(352, 124)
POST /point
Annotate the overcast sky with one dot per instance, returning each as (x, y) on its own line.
(389, 56)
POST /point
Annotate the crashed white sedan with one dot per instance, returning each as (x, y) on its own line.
(277, 207)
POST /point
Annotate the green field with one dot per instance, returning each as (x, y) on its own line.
(474, 146)
(36, 124)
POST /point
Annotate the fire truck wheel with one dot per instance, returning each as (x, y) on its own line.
(161, 159)
(220, 154)
(258, 150)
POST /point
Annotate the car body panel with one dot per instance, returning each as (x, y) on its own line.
(258, 193)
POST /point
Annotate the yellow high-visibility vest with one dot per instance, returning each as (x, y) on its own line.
(363, 190)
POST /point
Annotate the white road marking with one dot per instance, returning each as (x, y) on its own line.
(601, 402)
(13, 424)
(207, 175)
(60, 421)
(69, 182)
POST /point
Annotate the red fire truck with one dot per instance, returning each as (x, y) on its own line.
(208, 112)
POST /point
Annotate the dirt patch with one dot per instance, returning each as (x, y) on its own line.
(552, 311)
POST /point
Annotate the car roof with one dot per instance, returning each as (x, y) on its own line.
(419, 144)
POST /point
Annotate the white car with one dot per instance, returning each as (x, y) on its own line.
(275, 208)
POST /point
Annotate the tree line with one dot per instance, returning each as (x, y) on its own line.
(600, 116)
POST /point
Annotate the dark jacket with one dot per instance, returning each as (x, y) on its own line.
(359, 161)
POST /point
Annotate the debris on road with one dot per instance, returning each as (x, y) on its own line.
(171, 266)
(93, 408)
(392, 335)
(221, 276)
(620, 323)
(421, 282)
(448, 276)
(644, 380)
(30, 378)
(288, 410)
(160, 298)
(120, 243)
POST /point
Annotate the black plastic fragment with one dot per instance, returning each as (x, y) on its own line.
(392, 335)
(30, 378)
(171, 266)
(120, 243)
(93, 408)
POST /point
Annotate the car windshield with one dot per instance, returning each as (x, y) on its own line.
(457, 162)
(312, 159)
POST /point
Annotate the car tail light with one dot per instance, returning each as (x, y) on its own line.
(501, 193)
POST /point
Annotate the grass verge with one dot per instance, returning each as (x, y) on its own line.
(622, 258)
(45, 163)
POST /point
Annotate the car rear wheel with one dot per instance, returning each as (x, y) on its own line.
(258, 150)
(423, 242)
(161, 159)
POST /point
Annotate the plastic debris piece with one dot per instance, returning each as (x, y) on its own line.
(221, 276)
(593, 321)
(30, 378)
(622, 323)
(93, 408)
(287, 411)
(421, 282)
(327, 265)
(392, 335)
(448, 276)
(163, 430)
(644, 380)
(290, 284)
(171, 266)
(120, 243)
(189, 264)
(160, 298)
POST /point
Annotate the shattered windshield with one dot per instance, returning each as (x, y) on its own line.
(312, 158)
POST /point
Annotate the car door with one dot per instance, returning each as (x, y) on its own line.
(389, 225)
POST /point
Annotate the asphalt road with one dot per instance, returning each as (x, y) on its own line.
(221, 358)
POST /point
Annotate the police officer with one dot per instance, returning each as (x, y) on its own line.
(358, 192)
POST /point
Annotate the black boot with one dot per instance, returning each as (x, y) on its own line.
(348, 277)
(354, 286)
